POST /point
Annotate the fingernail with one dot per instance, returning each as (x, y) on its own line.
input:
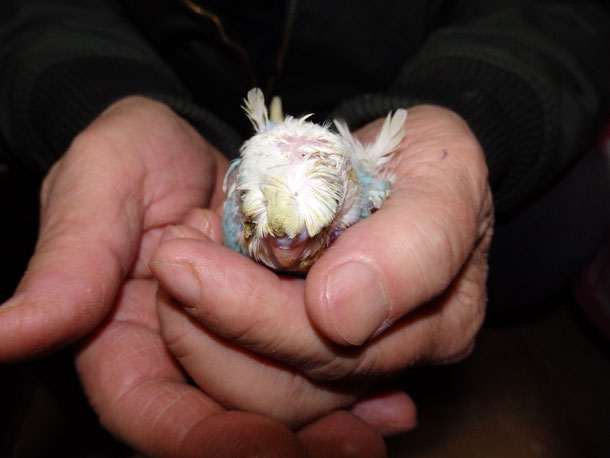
(13, 301)
(357, 304)
(178, 280)
(171, 233)
(203, 223)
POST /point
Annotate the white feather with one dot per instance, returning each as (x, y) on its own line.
(371, 157)
(355, 147)
(389, 137)
(228, 183)
(254, 106)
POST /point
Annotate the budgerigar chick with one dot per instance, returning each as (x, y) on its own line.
(298, 184)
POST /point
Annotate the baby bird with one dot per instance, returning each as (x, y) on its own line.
(298, 185)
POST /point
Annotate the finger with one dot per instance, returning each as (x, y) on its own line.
(142, 396)
(203, 220)
(404, 255)
(117, 179)
(207, 222)
(341, 434)
(389, 411)
(239, 379)
(251, 306)
(240, 434)
(240, 300)
(87, 241)
(149, 242)
(441, 332)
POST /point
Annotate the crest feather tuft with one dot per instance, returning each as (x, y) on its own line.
(254, 106)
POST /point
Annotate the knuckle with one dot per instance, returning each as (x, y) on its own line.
(456, 341)
(333, 369)
(178, 343)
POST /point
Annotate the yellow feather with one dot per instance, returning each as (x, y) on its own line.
(276, 114)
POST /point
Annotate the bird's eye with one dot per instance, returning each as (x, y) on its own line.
(248, 229)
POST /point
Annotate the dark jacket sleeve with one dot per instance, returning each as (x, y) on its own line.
(63, 62)
(531, 80)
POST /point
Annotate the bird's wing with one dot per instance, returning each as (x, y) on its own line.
(232, 226)
(232, 220)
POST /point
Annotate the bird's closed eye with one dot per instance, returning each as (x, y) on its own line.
(248, 229)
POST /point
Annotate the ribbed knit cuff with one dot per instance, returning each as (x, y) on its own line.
(211, 127)
(502, 110)
(66, 97)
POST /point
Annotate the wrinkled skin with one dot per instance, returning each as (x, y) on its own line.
(104, 206)
(405, 286)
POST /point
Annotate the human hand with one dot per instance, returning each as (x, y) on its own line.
(137, 168)
(244, 380)
(144, 398)
(413, 291)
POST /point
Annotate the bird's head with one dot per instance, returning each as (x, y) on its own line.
(292, 184)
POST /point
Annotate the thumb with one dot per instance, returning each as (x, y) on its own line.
(85, 246)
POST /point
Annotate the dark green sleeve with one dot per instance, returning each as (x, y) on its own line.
(63, 62)
(531, 80)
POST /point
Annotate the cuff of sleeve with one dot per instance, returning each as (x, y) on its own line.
(502, 110)
(67, 96)
(211, 127)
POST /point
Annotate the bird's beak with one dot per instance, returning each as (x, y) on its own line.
(286, 250)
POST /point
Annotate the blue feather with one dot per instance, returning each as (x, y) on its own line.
(232, 220)
(232, 226)
(369, 184)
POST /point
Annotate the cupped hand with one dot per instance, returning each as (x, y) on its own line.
(145, 399)
(402, 287)
(135, 169)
